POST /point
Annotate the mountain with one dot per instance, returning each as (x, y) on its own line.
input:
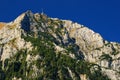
(37, 47)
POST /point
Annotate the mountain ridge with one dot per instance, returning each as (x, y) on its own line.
(72, 50)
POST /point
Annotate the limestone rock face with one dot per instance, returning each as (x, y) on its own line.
(10, 39)
(93, 46)
(66, 37)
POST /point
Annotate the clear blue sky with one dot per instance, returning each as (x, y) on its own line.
(103, 16)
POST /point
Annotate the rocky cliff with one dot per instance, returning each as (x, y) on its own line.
(37, 47)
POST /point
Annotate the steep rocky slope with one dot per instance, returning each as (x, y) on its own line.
(37, 47)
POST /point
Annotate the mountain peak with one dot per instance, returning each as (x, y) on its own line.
(28, 12)
(37, 47)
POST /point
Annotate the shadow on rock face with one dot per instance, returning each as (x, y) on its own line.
(25, 23)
